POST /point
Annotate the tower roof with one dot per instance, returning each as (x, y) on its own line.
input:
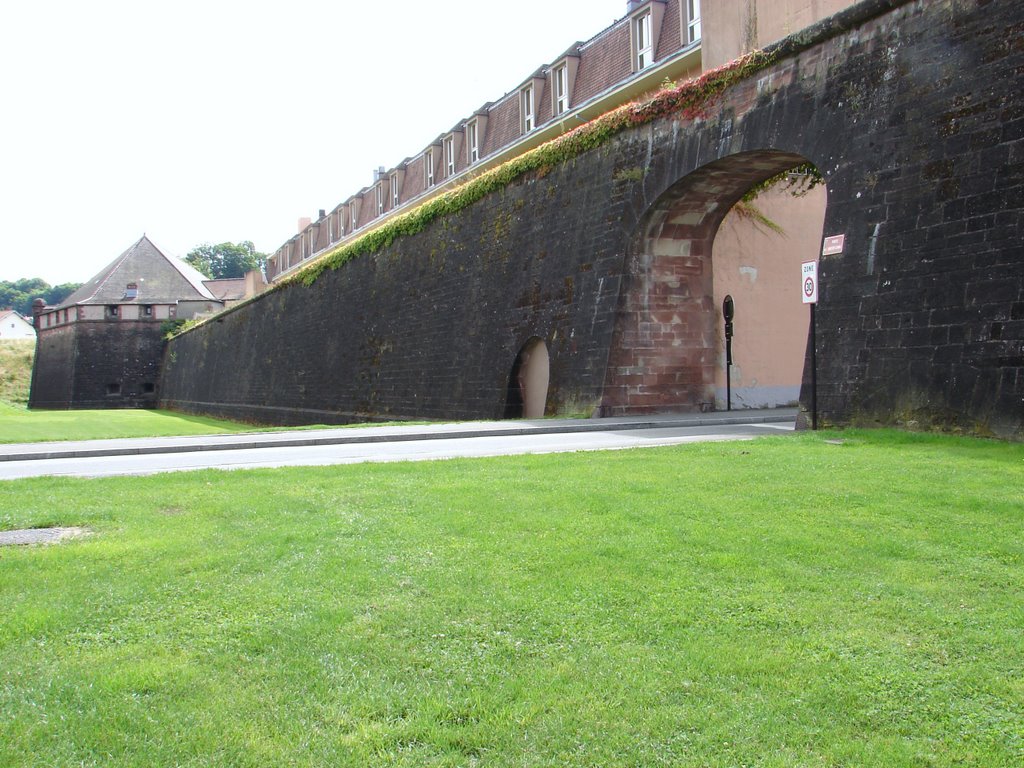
(158, 278)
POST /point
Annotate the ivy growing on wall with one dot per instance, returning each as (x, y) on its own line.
(796, 181)
(690, 100)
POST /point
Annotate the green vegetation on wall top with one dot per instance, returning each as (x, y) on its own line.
(688, 101)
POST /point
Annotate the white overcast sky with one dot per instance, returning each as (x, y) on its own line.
(215, 120)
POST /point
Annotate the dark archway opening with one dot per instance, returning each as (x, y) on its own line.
(526, 396)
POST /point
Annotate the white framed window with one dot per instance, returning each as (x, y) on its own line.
(473, 141)
(560, 89)
(643, 41)
(527, 112)
(692, 21)
(428, 168)
(378, 190)
(355, 217)
(394, 190)
(449, 155)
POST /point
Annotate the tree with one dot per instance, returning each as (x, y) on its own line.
(19, 294)
(57, 293)
(226, 259)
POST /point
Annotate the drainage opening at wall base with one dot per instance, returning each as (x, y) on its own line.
(527, 393)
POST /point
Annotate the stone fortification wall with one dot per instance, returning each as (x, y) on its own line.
(913, 114)
(102, 364)
(52, 376)
(430, 327)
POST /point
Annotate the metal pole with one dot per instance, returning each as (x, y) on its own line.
(814, 371)
(728, 385)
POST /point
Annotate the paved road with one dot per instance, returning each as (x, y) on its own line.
(283, 449)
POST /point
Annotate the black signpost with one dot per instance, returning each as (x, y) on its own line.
(728, 312)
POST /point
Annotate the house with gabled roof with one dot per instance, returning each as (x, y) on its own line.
(14, 326)
(102, 346)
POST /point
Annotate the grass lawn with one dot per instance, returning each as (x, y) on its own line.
(783, 602)
(19, 425)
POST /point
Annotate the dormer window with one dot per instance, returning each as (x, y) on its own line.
(645, 27)
(394, 190)
(378, 191)
(473, 141)
(355, 217)
(560, 89)
(528, 120)
(428, 168)
(643, 42)
(692, 21)
(449, 156)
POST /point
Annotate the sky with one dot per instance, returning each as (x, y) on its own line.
(211, 121)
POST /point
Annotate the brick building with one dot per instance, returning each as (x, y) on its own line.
(14, 326)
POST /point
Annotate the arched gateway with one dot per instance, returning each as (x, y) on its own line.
(667, 345)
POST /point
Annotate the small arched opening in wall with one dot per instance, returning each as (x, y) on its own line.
(528, 382)
(693, 248)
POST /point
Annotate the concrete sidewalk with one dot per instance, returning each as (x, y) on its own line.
(392, 433)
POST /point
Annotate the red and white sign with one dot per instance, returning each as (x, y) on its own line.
(833, 245)
(809, 282)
